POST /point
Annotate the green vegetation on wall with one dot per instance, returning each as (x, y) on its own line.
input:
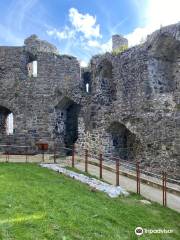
(119, 50)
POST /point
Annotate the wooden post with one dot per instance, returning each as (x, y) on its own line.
(73, 155)
(54, 153)
(7, 156)
(164, 188)
(117, 172)
(86, 160)
(26, 155)
(43, 155)
(138, 177)
(100, 165)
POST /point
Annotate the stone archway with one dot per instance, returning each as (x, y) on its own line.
(6, 121)
(66, 123)
(124, 143)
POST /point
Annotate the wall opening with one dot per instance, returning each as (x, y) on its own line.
(124, 143)
(32, 69)
(66, 127)
(32, 66)
(87, 87)
(6, 121)
(87, 81)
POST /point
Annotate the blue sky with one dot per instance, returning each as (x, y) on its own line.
(84, 27)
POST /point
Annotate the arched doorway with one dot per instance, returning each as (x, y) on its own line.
(66, 123)
(6, 121)
(124, 143)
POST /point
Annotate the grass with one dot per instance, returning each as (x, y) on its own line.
(39, 204)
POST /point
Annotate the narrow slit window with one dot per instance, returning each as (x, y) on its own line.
(87, 87)
(87, 81)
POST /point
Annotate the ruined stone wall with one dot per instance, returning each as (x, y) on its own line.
(139, 89)
(33, 99)
(132, 108)
(118, 41)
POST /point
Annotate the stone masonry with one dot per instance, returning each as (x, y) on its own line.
(118, 41)
(131, 109)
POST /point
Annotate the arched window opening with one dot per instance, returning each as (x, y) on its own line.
(6, 121)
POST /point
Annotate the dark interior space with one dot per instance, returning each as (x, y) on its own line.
(4, 113)
(125, 144)
(71, 124)
(87, 81)
(66, 127)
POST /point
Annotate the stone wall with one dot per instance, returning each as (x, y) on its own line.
(141, 92)
(33, 99)
(132, 108)
(118, 41)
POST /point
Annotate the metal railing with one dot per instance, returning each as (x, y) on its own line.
(72, 156)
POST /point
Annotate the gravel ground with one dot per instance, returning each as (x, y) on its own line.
(109, 189)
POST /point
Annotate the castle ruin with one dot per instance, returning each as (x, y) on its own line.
(127, 104)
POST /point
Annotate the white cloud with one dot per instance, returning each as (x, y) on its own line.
(107, 47)
(81, 34)
(139, 34)
(83, 63)
(103, 47)
(93, 43)
(84, 23)
(163, 12)
(158, 13)
(65, 34)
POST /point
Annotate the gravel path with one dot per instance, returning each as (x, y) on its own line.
(151, 193)
(109, 189)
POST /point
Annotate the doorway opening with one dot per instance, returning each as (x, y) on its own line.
(124, 143)
(6, 121)
(66, 128)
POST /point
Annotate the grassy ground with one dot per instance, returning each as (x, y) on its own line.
(39, 204)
